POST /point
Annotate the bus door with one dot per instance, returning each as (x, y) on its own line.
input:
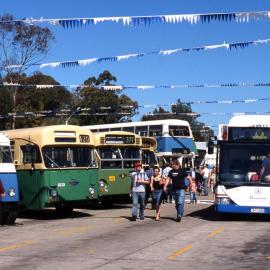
(28, 176)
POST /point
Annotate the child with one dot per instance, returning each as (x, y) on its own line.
(192, 191)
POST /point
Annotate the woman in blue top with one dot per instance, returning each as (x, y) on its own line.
(157, 185)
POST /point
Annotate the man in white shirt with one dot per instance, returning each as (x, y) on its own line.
(138, 181)
(205, 173)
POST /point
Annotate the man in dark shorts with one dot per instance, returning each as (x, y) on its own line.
(177, 176)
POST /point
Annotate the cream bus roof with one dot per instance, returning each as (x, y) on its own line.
(250, 120)
(46, 135)
(4, 139)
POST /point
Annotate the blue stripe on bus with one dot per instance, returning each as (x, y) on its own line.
(234, 208)
(165, 144)
(9, 180)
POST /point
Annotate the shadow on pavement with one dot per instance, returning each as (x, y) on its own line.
(101, 206)
(210, 214)
(50, 214)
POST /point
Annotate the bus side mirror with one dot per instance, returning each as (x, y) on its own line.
(16, 162)
(210, 146)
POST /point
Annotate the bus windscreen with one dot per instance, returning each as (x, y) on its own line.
(248, 133)
(241, 163)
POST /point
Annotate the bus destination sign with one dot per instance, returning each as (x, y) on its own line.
(249, 133)
(119, 139)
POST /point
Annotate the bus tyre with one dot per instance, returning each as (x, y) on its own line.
(11, 217)
(63, 210)
(107, 204)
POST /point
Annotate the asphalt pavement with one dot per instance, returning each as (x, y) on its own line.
(105, 238)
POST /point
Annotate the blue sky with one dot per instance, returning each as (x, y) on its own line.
(109, 39)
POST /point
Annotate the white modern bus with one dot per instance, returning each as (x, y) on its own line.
(174, 137)
(242, 146)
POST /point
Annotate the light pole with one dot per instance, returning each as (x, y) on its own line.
(78, 110)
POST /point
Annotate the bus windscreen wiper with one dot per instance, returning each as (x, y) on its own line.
(52, 161)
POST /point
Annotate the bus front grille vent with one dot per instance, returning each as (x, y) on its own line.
(138, 141)
(102, 140)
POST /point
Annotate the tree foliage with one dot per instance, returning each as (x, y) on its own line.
(30, 99)
(103, 106)
(21, 46)
(182, 111)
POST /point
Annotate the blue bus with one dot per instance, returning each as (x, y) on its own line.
(174, 138)
(9, 191)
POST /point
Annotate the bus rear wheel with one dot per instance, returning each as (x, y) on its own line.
(8, 218)
(63, 210)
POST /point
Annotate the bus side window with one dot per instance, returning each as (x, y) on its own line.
(30, 156)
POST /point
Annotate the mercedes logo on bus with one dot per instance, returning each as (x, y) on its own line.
(258, 191)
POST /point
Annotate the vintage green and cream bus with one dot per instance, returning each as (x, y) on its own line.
(56, 166)
(117, 153)
(149, 148)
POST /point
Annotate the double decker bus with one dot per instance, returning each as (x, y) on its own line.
(149, 148)
(241, 147)
(56, 166)
(9, 192)
(174, 138)
(117, 153)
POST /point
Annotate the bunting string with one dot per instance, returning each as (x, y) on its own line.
(69, 23)
(64, 113)
(138, 87)
(86, 62)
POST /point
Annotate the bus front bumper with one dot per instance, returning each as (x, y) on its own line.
(234, 208)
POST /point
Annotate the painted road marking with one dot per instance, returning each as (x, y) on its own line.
(23, 244)
(215, 232)
(75, 230)
(201, 201)
(179, 252)
(118, 220)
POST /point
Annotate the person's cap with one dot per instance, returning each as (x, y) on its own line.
(138, 164)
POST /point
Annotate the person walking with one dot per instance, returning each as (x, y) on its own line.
(157, 184)
(205, 172)
(177, 176)
(138, 181)
(192, 191)
(165, 173)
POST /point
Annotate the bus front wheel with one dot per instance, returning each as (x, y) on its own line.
(8, 218)
(64, 210)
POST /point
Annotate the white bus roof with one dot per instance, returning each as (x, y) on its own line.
(142, 123)
(250, 120)
(4, 140)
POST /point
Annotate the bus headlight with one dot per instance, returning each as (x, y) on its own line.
(53, 192)
(103, 187)
(223, 200)
(91, 191)
(101, 184)
(11, 192)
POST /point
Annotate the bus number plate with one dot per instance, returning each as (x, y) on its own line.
(257, 210)
(112, 178)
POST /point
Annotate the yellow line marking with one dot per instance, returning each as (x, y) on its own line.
(76, 230)
(179, 252)
(89, 250)
(118, 220)
(215, 232)
(23, 244)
